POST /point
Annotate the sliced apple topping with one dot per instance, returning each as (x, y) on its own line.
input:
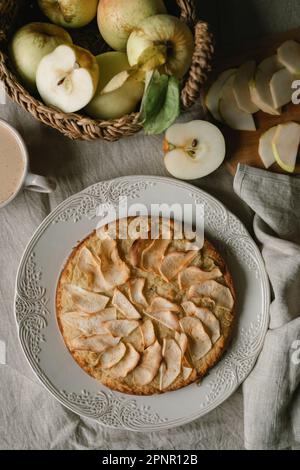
(230, 111)
(193, 150)
(89, 264)
(281, 88)
(260, 86)
(241, 87)
(127, 363)
(148, 333)
(209, 320)
(200, 343)
(121, 327)
(167, 319)
(89, 323)
(149, 365)
(85, 300)
(172, 363)
(194, 275)
(220, 294)
(121, 302)
(160, 304)
(153, 255)
(286, 145)
(136, 338)
(265, 148)
(173, 263)
(182, 341)
(112, 356)
(136, 250)
(186, 372)
(289, 56)
(136, 295)
(95, 343)
(213, 96)
(115, 271)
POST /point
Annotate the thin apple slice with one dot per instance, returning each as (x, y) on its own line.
(214, 93)
(241, 87)
(196, 149)
(260, 86)
(265, 148)
(289, 56)
(286, 145)
(281, 87)
(230, 111)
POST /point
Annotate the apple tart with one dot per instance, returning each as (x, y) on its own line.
(142, 315)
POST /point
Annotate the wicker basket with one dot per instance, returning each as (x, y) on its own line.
(15, 13)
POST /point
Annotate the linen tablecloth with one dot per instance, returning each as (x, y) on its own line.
(29, 417)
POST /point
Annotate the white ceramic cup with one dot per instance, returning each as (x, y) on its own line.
(29, 181)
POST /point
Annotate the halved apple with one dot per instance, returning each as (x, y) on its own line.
(281, 87)
(265, 148)
(241, 87)
(289, 56)
(230, 111)
(260, 86)
(286, 145)
(68, 78)
(214, 93)
(193, 150)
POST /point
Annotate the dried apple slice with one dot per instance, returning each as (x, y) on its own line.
(193, 150)
(230, 112)
(89, 264)
(289, 56)
(208, 319)
(148, 368)
(167, 319)
(160, 304)
(121, 328)
(136, 295)
(286, 145)
(89, 302)
(172, 363)
(148, 333)
(89, 323)
(214, 94)
(95, 343)
(121, 302)
(112, 356)
(220, 294)
(194, 275)
(173, 263)
(200, 343)
(281, 87)
(241, 87)
(127, 364)
(260, 86)
(265, 148)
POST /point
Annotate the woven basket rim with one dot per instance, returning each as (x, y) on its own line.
(80, 126)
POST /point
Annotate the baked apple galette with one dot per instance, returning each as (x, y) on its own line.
(145, 315)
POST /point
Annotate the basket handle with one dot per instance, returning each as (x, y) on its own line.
(188, 12)
(201, 64)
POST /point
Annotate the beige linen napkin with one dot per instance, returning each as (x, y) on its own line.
(272, 391)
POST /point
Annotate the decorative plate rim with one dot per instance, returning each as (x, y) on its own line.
(128, 402)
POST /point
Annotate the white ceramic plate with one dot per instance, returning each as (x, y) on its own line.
(41, 340)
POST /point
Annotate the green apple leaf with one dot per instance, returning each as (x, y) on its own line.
(168, 113)
(154, 96)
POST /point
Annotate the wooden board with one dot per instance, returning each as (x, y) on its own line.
(242, 147)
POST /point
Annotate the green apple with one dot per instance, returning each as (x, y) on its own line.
(118, 18)
(30, 44)
(67, 78)
(113, 100)
(69, 13)
(167, 33)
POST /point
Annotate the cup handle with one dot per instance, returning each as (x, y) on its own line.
(39, 184)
